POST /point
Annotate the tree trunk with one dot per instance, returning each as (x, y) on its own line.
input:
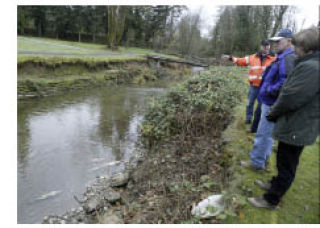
(39, 30)
(279, 18)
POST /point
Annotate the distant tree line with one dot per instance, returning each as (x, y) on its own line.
(240, 29)
(125, 25)
(170, 29)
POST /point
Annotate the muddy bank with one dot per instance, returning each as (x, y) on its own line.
(45, 77)
(40, 64)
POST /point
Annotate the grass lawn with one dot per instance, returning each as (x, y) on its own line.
(48, 46)
(299, 205)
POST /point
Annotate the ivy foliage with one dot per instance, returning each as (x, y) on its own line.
(199, 105)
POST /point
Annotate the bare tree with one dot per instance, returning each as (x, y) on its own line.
(189, 33)
(278, 13)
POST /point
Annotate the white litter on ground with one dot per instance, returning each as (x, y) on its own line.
(209, 207)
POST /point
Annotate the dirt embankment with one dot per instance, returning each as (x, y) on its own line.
(45, 77)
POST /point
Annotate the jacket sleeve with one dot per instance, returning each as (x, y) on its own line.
(297, 91)
(289, 63)
(277, 86)
(285, 68)
(241, 61)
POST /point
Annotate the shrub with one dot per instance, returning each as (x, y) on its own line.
(200, 105)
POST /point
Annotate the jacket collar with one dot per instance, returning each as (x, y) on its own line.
(285, 52)
(313, 55)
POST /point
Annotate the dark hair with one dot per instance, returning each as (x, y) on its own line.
(265, 43)
(307, 39)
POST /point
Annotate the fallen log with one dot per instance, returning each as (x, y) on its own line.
(181, 61)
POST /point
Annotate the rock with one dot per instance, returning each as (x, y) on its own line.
(74, 221)
(112, 196)
(110, 218)
(91, 205)
(80, 209)
(130, 185)
(80, 218)
(119, 179)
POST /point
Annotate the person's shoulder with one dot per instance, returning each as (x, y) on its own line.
(310, 66)
(272, 54)
(290, 57)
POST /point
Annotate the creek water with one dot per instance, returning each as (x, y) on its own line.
(65, 141)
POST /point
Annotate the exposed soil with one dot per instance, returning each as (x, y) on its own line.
(173, 178)
(42, 78)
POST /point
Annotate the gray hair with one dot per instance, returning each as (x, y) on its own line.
(307, 39)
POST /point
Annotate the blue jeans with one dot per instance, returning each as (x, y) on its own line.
(252, 96)
(263, 142)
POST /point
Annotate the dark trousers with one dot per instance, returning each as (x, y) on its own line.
(287, 162)
(255, 123)
(252, 96)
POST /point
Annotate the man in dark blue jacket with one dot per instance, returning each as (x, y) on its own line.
(272, 81)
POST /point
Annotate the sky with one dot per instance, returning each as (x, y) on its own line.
(308, 13)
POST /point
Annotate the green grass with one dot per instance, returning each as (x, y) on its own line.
(49, 46)
(299, 205)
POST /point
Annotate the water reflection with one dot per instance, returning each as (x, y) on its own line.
(65, 141)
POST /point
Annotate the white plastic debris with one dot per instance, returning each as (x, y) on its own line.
(209, 207)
